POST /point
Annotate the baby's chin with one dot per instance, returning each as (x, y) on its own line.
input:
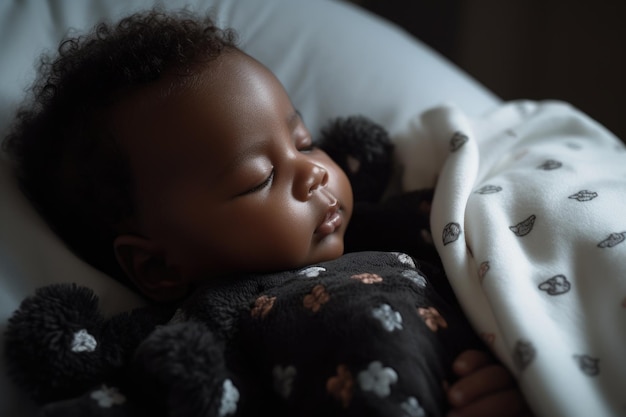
(328, 249)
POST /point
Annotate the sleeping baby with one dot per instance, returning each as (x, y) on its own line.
(166, 157)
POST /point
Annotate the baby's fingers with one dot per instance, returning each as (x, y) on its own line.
(502, 404)
(470, 361)
(484, 382)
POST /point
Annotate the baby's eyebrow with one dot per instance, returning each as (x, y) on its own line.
(232, 165)
(293, 120)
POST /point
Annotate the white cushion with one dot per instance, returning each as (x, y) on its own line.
(333, 58)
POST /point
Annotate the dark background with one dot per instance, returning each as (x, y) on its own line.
(525, 49)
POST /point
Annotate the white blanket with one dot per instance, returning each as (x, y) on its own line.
(529, 217)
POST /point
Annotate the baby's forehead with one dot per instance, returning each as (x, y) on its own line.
(232, 74)
(181, 118)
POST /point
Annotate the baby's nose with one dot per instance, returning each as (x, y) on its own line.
(311, 176)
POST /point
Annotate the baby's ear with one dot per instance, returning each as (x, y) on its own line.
(144, 262)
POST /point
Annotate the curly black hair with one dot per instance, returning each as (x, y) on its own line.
(67, 161)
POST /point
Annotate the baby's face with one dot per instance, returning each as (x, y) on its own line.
(225, 177)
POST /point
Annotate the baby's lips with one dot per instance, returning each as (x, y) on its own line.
(331, 221)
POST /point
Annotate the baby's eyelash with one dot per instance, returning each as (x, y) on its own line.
(264, 184)
(306, 144)
(307, 148)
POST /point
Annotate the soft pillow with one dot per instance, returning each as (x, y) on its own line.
(333, 58)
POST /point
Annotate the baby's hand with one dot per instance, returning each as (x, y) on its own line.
(484, 389)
